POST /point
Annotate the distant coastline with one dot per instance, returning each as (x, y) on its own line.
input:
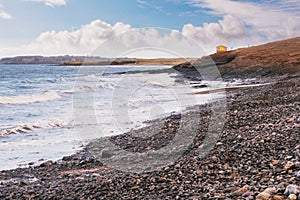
(89, 60)
(51, 60)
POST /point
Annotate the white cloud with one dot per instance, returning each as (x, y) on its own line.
(52, 3)
(243, 24)
(273, 19)
(81, 41)
(4, 14)
(228, 29)
(110, 41)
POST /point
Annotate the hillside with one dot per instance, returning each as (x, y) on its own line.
(270, 59)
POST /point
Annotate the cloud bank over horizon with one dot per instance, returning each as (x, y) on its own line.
(111, 41)
(241, 24)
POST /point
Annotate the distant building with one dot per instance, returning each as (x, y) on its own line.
(221, 48)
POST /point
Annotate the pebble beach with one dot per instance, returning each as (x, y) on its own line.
(257, 156)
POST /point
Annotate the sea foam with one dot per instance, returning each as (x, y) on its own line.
(28, 127)
(22, 99)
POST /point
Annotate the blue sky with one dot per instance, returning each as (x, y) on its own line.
(27, 24)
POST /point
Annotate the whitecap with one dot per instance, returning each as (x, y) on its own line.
(26, 99)
(41, 124)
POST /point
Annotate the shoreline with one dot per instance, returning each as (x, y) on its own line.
(260, 137)
(31, 127)
(257, 154)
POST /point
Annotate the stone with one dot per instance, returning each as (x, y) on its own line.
(289, 165)
(292, 197)
(292, 189)
(270, 191)
(247, 194)
(241, 191)
(219, 143)
(177, 166)
(47, 163)
(281, 186)
(278, 197)
(275, 162)
(263, 196)
(135, 187)
(152, 187)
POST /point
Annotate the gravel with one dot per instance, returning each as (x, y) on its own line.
(257, 156)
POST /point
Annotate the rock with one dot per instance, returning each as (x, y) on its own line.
(67, 158)
(247, 194)
(292, 189)
(177, 166)
(270, 191)
(275, 162)
(135, 187)
(241, 191)
(266, 194)
(298, 174)
(263, 196)
(161, 180)
(219, 143)
(47, 163)
(278, 197)
(199, 86)
(31, 163)
(289, 165)
(152, 187)
(292, 197)
(281, 187)
(214, 158)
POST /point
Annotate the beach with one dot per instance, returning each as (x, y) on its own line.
(258, 149)
(256, 154)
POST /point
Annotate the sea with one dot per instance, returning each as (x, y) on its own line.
(48, 112)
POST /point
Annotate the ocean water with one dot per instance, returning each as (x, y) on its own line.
(47, 112)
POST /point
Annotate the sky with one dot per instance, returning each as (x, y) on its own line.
(114, 27)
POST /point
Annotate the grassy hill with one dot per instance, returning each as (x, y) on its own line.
(270, 59)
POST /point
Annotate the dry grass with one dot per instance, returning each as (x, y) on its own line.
(135, 61)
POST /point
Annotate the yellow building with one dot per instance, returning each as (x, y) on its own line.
(221, 48)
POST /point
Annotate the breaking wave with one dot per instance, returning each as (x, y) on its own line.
(29, 127)
(26, 99)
